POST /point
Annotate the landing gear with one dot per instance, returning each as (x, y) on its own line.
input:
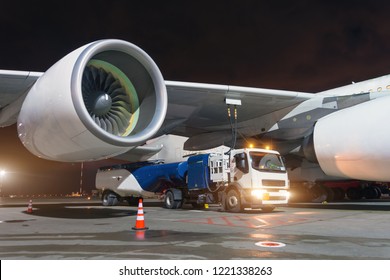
(339, 194)
(355, 193)
(336, 191)
(318, 194)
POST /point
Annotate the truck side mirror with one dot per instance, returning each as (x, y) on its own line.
(242, 162)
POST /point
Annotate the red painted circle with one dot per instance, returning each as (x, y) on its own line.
(270, 244)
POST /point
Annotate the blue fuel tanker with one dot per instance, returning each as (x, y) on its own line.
(246, 178)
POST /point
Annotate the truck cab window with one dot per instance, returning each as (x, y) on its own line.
(242, 162)
(267, 162)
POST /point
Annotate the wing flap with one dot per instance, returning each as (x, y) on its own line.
(201, 108)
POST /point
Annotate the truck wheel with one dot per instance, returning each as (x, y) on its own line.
(233, 201)
(109, 199)
(170, 202)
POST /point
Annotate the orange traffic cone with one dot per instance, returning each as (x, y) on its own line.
(29, 208)
(140, 222)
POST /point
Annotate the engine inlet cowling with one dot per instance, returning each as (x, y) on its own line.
(98, 101)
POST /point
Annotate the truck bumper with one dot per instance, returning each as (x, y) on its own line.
(258, 199)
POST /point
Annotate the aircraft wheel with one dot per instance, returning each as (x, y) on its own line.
(370, 193)
(233, 201)
(354, 193)
(378, 189)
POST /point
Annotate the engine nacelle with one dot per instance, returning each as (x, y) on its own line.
(97, 102)
(355, 142)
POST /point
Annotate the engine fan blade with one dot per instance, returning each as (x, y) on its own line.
(110, 98)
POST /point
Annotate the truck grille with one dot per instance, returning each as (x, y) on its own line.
(277, 198)
(273, 183)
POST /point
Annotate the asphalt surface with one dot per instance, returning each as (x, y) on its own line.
(81, 229)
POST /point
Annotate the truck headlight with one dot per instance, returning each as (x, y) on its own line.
(258, 193)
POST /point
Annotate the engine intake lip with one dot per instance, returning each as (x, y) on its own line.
(148, 130)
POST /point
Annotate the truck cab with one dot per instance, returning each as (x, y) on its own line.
(258, 179)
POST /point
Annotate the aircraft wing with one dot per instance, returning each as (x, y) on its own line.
(195, 110)
(199, 111)
(13, 88)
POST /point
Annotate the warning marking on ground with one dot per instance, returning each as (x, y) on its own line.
(247, 222)
(270, 244)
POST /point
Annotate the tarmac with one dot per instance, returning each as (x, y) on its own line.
(76, 228)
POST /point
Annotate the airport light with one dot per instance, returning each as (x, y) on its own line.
(2, 174)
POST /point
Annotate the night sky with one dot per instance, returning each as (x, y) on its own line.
(295, 45)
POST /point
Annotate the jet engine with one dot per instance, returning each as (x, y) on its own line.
(355, 142)
(99, 101)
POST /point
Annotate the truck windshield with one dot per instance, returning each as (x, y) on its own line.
(267, 162)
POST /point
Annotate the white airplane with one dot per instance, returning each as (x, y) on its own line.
(108, 98)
